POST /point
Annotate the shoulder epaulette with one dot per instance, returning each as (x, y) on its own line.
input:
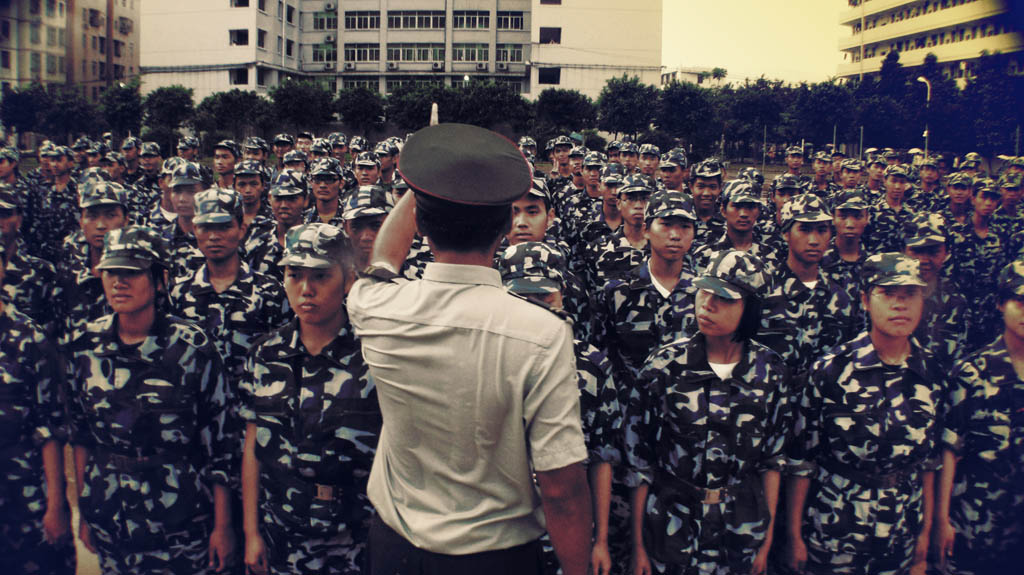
(378, 273)
(560, 312)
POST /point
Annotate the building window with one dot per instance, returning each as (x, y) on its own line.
(550, 35)
(290, 14)
(362, 20)
(51, 64)
(280, 10)
(118, 48)
(238, 37)
(362, 52)
(470, 53)
(551, 2)
(33, 33)
(103, 45)
(33, 6)
(240, 3)
(103, 69)
(508, 52)
(471, 20)
(289, 47)
(510, 20)
(51, 36)
(239, 76)
(261, 38)
(325, 21)
(280, 43)
(60, 37)
(513, 84)
(415, 20)
(261, 76)
(34, 62)
(415, 53)
(262, 5)
(5, 29)
(5, 59)
(371, 84)
(549, 76)
(51, 8)
(325, 53)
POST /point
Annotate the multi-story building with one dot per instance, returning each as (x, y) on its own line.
(383, 44)
(690, 75)
(956, 31)
(33, 42)
(105, 46)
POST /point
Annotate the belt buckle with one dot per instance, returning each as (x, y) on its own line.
(324, 492)
(712, 496)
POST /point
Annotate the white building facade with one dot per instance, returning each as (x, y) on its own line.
(956, 31)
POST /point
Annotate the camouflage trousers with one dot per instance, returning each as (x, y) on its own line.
(292, 553)
(183, 553)
(23, 551)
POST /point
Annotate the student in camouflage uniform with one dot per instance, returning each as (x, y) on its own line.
(148, 190)
(741, 207)
(943, 327)
(584, 247)
(288, 193)
(52, 210)
(978, 256)
(957, 205)
(366, 167)
(706, 187)
(30, 283)
(805, 312)
(258, 220)
(673, 169)
(226, 154)
(580, 207)
(231, 303)
(845, 255)
(1008, 219)
(930, 195)
(35, 522)
(822, 185)
(327, 204)
(312, 422)
(980, 505)
(706, 435)
(532, 269)
(627, 246)
(185, 183)
(148, 406)
(363, 214)
(889, 213)
(866, 435)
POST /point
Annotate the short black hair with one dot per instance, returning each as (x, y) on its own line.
(750, 321)
(459, 227)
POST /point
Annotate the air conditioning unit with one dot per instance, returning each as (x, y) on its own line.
(437, 66)
(481, 66)
(392, 65)
(329, 39)
(329, 7)
(502, 66)
(350, 66)
(328, 66)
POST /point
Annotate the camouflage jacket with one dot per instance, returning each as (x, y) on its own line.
(31, 285)
(418, 258)
(616, 258)
(976, 265)
(707, 231)
(846, 275)
(311, 216)
(885, 232)
(260, 231)
(165, 399)
(583, 253)
(579, 210)
(599, 404)
(251, 307)
(801, 323)
(769, 257)
(984, 426)
(185, 255)
(82, 299)
(943, 327)
(264, 257)
(50, 216)
(317, 423)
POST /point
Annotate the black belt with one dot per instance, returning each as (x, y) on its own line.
(130, 463)
(317, 491)
(873, 480)
(701, 494)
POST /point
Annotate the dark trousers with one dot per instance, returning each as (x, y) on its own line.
(392, 554)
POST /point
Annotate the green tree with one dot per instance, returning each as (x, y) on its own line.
(169, 108)
(487, 104)
(121, 105)
(237, 113)
(408, 106)
(815, 109)
(719, 74)
(70, 114)
(22, 109)
(688, 112)
(360, 108)
(626, 106)
(993, 98)
(751, 108)
(945, 116)
(565, 110)
(303, 105)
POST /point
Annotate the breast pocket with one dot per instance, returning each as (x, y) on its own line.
(169, 411)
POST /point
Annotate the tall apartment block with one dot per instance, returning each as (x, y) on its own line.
(956, 31)
(91, 43)
(217, 45)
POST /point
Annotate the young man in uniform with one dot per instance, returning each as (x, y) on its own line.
(627, 246)
(845, 256)
(889, 213)
(186, 183)
(30, 283)
(325, 175)
(650, 158)
(225, 155)
(673, 169)
(363, 216)
(283, 143)
(288, 193)
(741, 207)
(706, 187)
(257, 219)
(53, 213)
(464, 180)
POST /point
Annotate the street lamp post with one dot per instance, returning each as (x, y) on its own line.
(927, 109)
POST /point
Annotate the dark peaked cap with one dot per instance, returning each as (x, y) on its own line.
(465, 165)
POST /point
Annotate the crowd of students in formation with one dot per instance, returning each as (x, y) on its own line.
(821, 373)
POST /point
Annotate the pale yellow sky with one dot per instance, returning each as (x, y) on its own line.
(791, 40)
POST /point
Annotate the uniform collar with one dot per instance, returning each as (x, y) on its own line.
(462, 274)
(288, 344)
(151, 348)
(865, 356)
(201, 279)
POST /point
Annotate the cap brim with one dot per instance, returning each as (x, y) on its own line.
(124, 263)
(184, 182)
(99, 202)
(532, 285)
(673, 213)
(899, 280)
(220, 218)
(921, 241)
(853, 206)
(718, 286)
(280, 192)
(363, 213)
(306, 261)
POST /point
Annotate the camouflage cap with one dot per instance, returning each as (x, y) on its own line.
(960, 179)
(10, 199)
(98, 149)
(733, 274)
(231, 146)
(794, 151)
(925, 229)
(1009, 181)
(316, 245)
(787, 182)
(255, 143)
(386, 148)
(708, 169)
(295, 156)
(987, 186)
(527, 141)
(740, 191)
(851, 164)
(613, 174)
(897, 170)
(915, 152)
(102, 193)
(114, 158)
(837, 153)
(83, 143)
(876, 160)
(539, 189)
(822, 156)
(613, 145)
(629, 148)
(186, 174)
(1017, 162)
(532, 268)
(217, 206)
(56, 151)
(357, 143)
(634, 183)
(188, 143)
(150, 149)
(869, 151)
(804, 208)
(10, 153)
(578, 152)
(669, 204)
(752, 175)
(170, 164)
(674, 158)
(593, 159)
(851, 200)
(650, 150)
(930, 162)
(338, 140)
(305, 134)
(288, 182)
(320, 146)
(131, 142)
(970, 164)
(133, 248)
(249, 168)
(891, 269)
(367, 201)
(367, 159)
(1011, 279)
(890, 154)
(399, 183)
(284, 140)
(973, 157)
(562, 141)
(326, 167)
(93, 174)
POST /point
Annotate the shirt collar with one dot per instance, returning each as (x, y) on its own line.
(866, 356)
(462, 274)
